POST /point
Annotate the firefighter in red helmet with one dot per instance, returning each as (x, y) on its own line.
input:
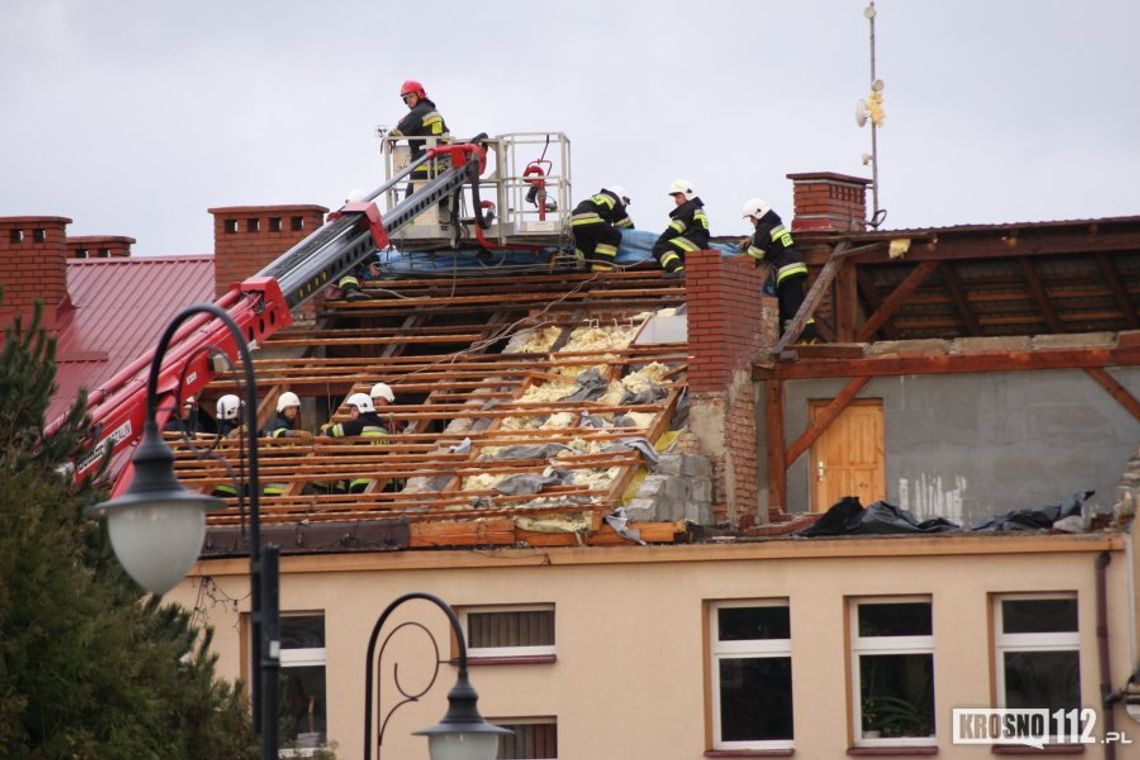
(423, 120)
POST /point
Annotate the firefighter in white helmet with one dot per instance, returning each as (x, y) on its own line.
(382, 395)
(286, 422)
(229, 410)
(190, 420)
(365, 422)
(687, 232)
(229, 413)
(772, 242)
(597, 223)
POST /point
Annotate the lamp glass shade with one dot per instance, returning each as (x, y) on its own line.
(158, 541)
(463, 745)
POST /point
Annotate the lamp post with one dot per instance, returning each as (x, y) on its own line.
(461, 734)
(157, 528)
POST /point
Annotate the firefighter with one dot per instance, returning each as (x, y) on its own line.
(382, 395)
(229, 408)
(287, 422)
(597, 223)
(190, 419)
(423, 120)
(688, 232)
(773, 242)
(365, 422)
(229, 414)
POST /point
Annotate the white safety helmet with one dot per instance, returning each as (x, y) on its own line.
(620, 192)
(755, 208)
(384, 391)
(286, 400)
(685, 187)
(362, 401)
(355, 195)
(228, 407)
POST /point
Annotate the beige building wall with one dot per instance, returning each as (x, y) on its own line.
(630, 679)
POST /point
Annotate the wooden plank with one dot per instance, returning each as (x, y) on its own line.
(846, 303)
(1112, 276)
(1115, 389)
(873, 298)
(826, 417)
(995, 244)
(999, 361)
(1040, 296)
(774, 425)
(814, 296)
(896, 299)
(961, 302)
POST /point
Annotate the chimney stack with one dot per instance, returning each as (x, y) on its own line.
(247, 238)
(829, 202)
(33, 266)
(99, 246)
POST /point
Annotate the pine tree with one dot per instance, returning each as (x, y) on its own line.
(87, 668)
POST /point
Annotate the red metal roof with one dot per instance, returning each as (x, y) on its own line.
(120, 307)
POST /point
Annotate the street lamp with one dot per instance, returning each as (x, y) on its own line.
(157, 528)
(461, 734)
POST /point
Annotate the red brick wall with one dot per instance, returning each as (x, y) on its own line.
(99, 246)
(33, 265)
(828, 202)
(729, 323)
(247, 238)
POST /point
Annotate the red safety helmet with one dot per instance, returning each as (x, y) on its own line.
(412, 87)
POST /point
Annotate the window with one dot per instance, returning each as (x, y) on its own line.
(751, 668)
(534, 739)
(80, 253)
(302, 698)
(39, 235)
(274, 224)
(892, 671)
(521, 631)
(231, 226)
(252, 225)
(297, 223)
(104, 253)
(1038, 651)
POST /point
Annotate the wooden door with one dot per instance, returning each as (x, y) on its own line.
(847, 459)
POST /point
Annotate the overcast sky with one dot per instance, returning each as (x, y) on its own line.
(132, 118)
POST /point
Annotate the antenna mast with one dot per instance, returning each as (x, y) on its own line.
(872, 109)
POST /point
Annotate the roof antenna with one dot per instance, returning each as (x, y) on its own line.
(871, 109)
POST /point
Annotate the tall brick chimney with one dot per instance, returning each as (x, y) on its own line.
(829, 202)
(729, 323)
(33, 266)
(99, 246)
(246, 238)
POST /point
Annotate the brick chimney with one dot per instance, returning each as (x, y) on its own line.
(829, 202)
(99, 246)
(729, 323)
(33, 266)
(247, 238)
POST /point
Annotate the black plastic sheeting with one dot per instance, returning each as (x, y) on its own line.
(847, 517)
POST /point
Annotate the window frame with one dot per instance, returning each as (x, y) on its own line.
(744, 649)
(306, 657)
(547, 720)
(527, 653)
(1050, 641)
(881, 645)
